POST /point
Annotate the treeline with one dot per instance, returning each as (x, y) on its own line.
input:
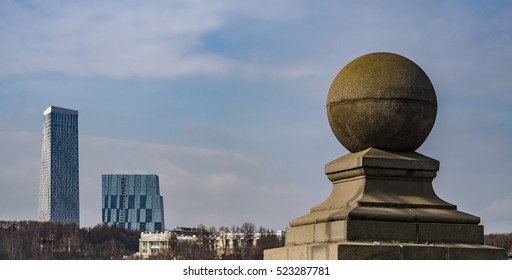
(502, 240)
(31, 240)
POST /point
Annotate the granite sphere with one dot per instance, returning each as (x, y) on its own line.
(381, 100)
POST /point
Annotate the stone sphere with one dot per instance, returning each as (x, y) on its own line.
(381, 100)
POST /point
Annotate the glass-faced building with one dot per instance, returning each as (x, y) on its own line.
(58, 184)
(132, 201)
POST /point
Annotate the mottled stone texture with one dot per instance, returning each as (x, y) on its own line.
(381, 100)
(381, 107)
(385, 251)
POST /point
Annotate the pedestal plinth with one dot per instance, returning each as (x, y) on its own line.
(383, 206)
(381, 107)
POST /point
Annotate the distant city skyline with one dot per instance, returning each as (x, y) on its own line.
(226, 100)
(59, 194)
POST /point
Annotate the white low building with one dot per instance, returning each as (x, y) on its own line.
(153, 243)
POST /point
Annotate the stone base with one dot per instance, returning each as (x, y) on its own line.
(383, 206)
(381, 231)
(385, 251)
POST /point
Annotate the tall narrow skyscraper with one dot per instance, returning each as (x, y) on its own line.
(58, 185)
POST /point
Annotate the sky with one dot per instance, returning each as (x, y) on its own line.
(225, 100)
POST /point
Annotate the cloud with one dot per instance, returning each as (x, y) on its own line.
(292, 41)
(219, 183)
(120, 40)
(115, 39)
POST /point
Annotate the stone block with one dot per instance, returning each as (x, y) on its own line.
(367, 251)
(323, 252)
(276, 254)
(475, 252)
(331, 231)
(450, 233)
(422, 252)
(380, 231)
(300, 252)
(300, 235)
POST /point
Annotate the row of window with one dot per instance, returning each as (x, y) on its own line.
(142, 226)
(110, 201)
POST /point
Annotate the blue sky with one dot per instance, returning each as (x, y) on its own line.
(225, 100)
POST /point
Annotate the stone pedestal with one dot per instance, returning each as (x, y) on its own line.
(383, 206)
(381, 107)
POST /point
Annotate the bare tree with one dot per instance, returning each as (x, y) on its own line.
(268, 240)
(29, 240)
(503, 240)
(223, 232)
(247, 232)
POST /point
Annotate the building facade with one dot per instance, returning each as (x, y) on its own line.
(132, 201)
(58, 184)
(151, 244)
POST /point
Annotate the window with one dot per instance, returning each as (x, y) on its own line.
(113, 201)
(131, 202)
(142, 202)
(158, 226)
